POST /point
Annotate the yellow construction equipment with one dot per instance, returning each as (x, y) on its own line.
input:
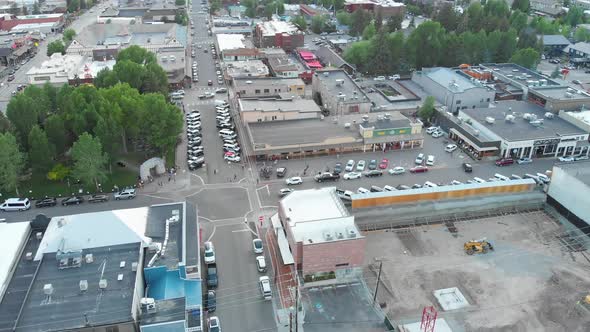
(481, 246)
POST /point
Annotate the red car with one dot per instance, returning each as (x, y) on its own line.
(504, 162)
(384, 163)
(419, 169)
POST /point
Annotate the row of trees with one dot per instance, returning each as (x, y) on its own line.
(46, 124)
(60, 45)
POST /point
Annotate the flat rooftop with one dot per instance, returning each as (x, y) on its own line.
(301, 134)
(338, 81)
(13, 236)
(282, 105)
(561, 92)
(518, 73)
(521, 129)
(271, 28)
(450, 79)
(266, 81)
(68, 307)
(531, 279)
(230, 41)
(246, 68)
(156, 230)
(386, 121)
(580, 170)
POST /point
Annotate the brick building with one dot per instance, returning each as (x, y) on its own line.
(386, 8)
(278, 34)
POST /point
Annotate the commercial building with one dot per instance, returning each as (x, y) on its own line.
(453, 88)
(173, 61)
(8, 22)
(239, 54)
(246, 69)
(386, 8)
(514, 129)
(553, 45)
(550, 7)
(338, 93)
(333, 136)
(330, 59)
(267, 87)
(558, 98)
(285, 107)
(41, 28)
(312, 10)
(233, 47)
(67, 69)
(579, 52)
(283, 66)
(97, 271)
(568, 192)
(278, 34)
(317, 235)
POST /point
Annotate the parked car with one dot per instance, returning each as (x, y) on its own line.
(431, 130)
(285, 191)
(294, 180)
(430, 160)
(384, 163)
(576, 158)
(233, 159)
(98, 198)
(281, 172)
(419, 159)
(349, 166)
(257, 246)
(212, 280)
(352, 176)
(221, 90)
(566, 159)
(211, 303)
(338, 168)
(450, 148)
(209, 253)
(504, 162)
(437, 134)
(419, 169)
(72, 200)
(397, 170)
(125, 194)
(360, 166)
(49, 201)
(326, 177)
(373, 173)
(372, 164)
(467, 167)
(524, 161)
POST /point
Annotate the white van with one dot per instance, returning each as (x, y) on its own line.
(344, 194)
(479, 180)
(501, 177)
(430, 160)
(429, 184)
(15, 204)
(264, 284)
(233, 147)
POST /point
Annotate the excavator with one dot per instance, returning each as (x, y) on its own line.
(481, 246)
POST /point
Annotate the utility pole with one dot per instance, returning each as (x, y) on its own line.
(378, 281)
(297, 307)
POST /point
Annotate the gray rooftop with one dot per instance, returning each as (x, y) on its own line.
(446, 76)
(582, 47)
(168, 311)
(328, 78)
(283, 105)
(521, 129)
(559, 92)
(301, 132)
(580, 170)
(330, 58)
(555, 40)
(243, 81)
(156, 229)
(68, 307)
(517, 73)
(139, 34)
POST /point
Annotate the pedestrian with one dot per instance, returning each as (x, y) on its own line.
(235, 176)
(215, 171)
(169, 179)
(242, 167)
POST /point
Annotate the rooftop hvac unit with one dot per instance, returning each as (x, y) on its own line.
(572, 90)
(339, 235)
(347, 125)
(490, 120)
(569, 95)
(172, 58)
(148, 304)
(39, 235)
(328, 236)
(549, 115)
(248, 82)
(341, 96)
(83, 285)
(476, 133)
(134, 266)
(351, 233)
(510, 118)
(48, 289)
(120, 277)
(339, 82)
(89, 258)
(102, 283)
(542, 82)
(387, 116)
(122, 264)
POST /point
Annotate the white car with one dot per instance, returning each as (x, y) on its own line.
(394, 77)
(352, 176)
(257, 246)
(214, 325)
(397, 170)
(294, 180)
(285, 191)
(380, 78)
(209, 253)
(450, 147)
(524, 161)
(566, 159)
(430, 160)
(420, 159)
(437, 134)
(349, 166)
(233, 159)
(431, 130)
(360, 166)
(125, 194)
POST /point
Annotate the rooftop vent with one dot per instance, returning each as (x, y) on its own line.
(102, 283)
(122, 264)
(476, 133)
(39, 235)
(83, 285)
(340, 235)
(148, 304)
(248, 82)
(537, 123)
(29, 256)
(351, 233)
(48, 289)
(387, 116)
(120, 277)
(339, 82)
(89, 258)
(134, 266)
(328, 236)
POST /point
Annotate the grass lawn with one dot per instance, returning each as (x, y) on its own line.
(40, 186)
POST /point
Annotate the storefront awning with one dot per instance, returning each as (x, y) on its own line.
(286, 254)
(468, 141)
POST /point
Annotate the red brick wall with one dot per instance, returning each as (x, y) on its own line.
(323, 257)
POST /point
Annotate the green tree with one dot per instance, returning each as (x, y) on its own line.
(426, 111)
(41, 152)
(162, 123)
(22, 113)
(5, 125)
(105, 78)
(424, 45)
(522, 5)
(318, 23)
(51, 92)
(68, 35)
(369, 31)
(181, 18)
(582, 35)
(300, 22)
(394, 23)
(83, 4)
(56, 46)
(475, 16)
(12, 162)
(575, 16)
(518, 20)
(555, 73)
(528, 38)
(214, 6)
(129, 114)
(137, 55)
(89, 160)
(447, 17)
(73, 6)
(55, 130)
(36, 10)
(360, 19)
(358, 54)
(344, 17)
(380, 61)
(527, 57)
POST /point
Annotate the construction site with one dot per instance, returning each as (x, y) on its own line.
(526, 271)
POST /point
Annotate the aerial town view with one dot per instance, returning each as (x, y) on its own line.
(294, 165)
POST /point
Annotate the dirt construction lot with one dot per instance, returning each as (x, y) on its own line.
(530, 282)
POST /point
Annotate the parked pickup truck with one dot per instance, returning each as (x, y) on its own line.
(212, 275)
(327, 177)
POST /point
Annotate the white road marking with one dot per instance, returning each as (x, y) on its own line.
(212, 233)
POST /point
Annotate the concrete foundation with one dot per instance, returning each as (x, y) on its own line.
(450, 298)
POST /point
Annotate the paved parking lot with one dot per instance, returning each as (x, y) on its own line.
(547, 68)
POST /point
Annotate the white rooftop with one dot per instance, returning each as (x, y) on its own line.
(583, 116)
(270, 28)
(440, 326)
(58, 63)
(93, 230)
(318, 215)
(32, 26)
(230, 41)
(13, 236)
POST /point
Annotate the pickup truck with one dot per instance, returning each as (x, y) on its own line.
(327, 177)
(212, 275)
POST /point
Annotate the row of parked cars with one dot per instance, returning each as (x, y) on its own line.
(227, 133)
(195, 153)
(22, 204)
